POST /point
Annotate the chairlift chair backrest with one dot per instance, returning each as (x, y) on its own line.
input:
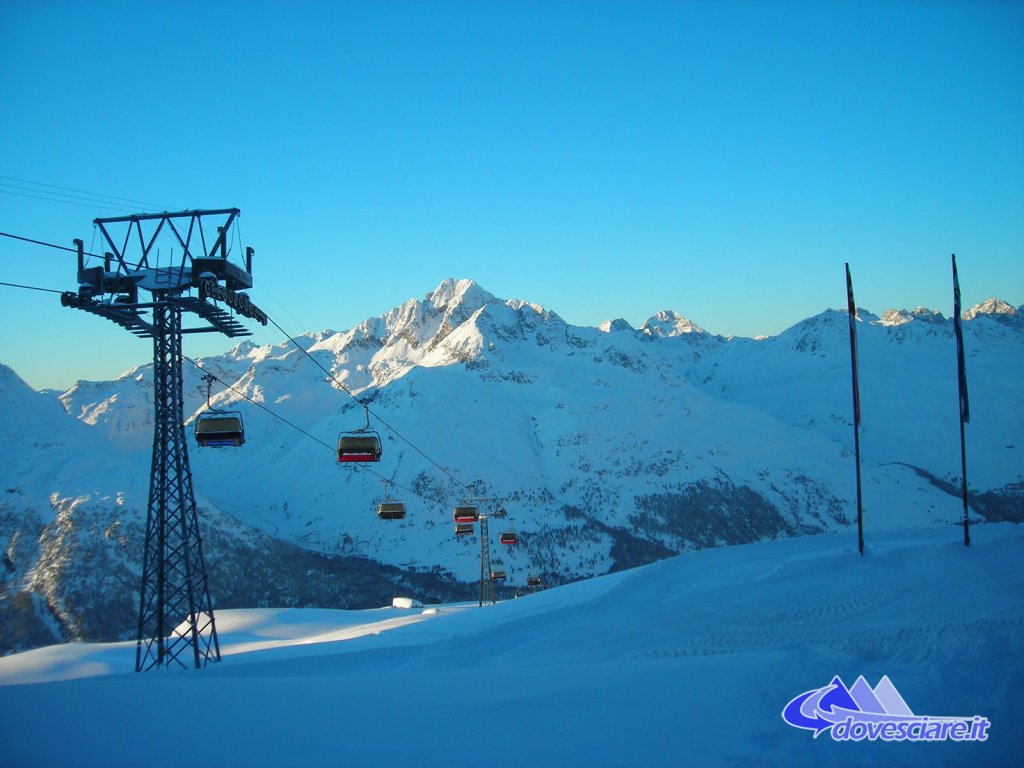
(391, 510)
(217, 428)
(220, 428)
(509, 538)
(466, 514)
(463, 529)
(358, 447)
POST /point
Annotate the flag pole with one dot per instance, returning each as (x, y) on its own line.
(852, 310)
(963, 470)
(965, 411)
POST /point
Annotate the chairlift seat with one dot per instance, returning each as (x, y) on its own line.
(361, 447)
(497, 575)
(391, 510)
(223, 428)
(463, 529)
(466, 514)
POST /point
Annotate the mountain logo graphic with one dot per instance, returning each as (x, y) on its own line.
(860, 712)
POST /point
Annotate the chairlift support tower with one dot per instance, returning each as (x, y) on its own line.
(176, 622)
(486, 582)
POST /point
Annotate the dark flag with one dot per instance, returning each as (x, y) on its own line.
(965, 411)
(852, 309)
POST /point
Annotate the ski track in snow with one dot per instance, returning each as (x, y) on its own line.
(688, 661)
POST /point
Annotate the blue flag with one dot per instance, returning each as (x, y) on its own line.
(965, 410)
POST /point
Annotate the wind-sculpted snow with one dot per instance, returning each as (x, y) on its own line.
(695, 660)
(610, 446)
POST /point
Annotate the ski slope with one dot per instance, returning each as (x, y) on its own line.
(688, 661)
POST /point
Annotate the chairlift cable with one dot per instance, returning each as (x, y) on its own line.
(260, 405)
(58, 200)
(85, 192)
(59, 247)
(260, 286)
(92, 242)
(307, 434)
(30, 287)
(55, 197)
(348, 392)
(288, 336)
(40, 242)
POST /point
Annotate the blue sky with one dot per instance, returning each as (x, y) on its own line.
(604, 159)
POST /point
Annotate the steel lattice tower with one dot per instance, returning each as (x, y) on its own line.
(176, 621)
(175, 610)
(486, 582)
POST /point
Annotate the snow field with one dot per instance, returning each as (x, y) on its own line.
(688, 661)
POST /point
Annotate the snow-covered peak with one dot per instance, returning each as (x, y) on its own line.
(517, 304)
(242, 349)
(893, 317)
(451, 303)
(669, 323)
(41, 443)
(452, 293)
(990, 306)
(14, 392)
(614, 326)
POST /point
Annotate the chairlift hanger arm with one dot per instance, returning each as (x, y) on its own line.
(209, 379)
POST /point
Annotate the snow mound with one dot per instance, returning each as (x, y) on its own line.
(406, 602)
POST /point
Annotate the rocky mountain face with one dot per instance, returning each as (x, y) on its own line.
(608, 447)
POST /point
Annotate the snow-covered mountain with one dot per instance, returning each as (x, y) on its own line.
(610, 446)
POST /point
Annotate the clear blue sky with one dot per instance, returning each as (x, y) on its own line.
(604, 159)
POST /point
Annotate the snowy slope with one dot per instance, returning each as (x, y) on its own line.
(689, 661)
(574, 425)
(908, 388)
(72, 523)
(610, 446)
(43, 447)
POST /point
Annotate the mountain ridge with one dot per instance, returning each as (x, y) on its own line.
(610, 446)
